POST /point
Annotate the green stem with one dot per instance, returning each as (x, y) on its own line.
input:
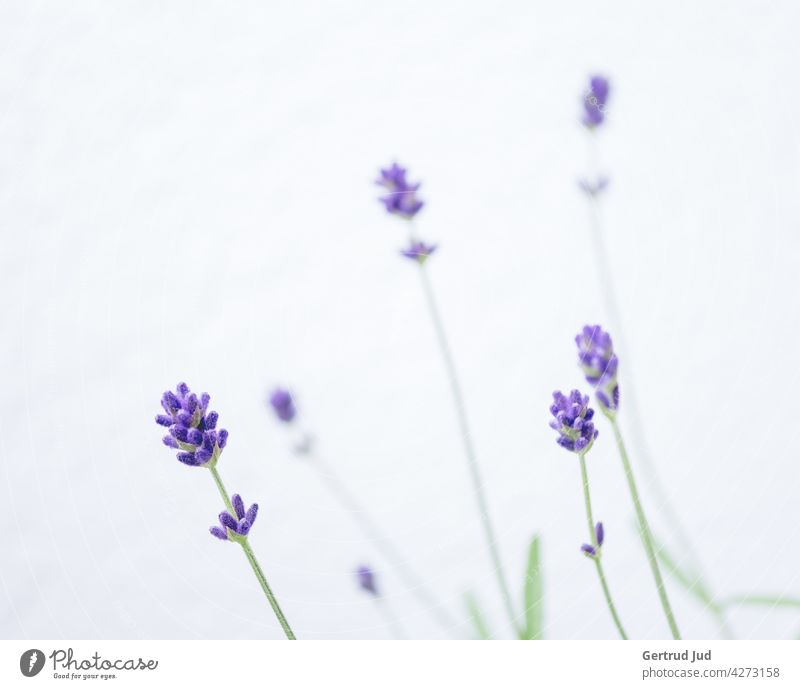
(251, 558)
(644, 531)
(469, 450)
(611, 305)
(774, 601)
(276, 608)
(221, 489)
(593, 537)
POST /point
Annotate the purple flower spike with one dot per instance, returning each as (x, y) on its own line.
(419, 251)
(589, 550)
(366, 580)
(594, 102)
(283, 404)
(599, 363)
(599, 533)
(401, 198)
(573, 421)
(238, 526)
(191, 427)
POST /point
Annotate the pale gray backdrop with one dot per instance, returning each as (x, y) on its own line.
(186, 194)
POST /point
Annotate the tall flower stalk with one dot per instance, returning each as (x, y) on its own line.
(600, 366)
(283, 404)
(400, 199)
(193, 432)
(595, 103)
(576, 433)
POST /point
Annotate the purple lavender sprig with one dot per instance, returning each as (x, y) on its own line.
(282, 403)
(192, 431)
(403, 202)
(600, 365)
(235, 526)
(573, 421)
(366, 580)
(594, 102)
(401, 196)
(192, 428)
(595, 550)
(576, 433)
(418, 251)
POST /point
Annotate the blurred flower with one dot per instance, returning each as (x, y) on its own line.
(366, 579)
(593, 188)
(599, 533)
(589, 550)
(594, 102)
(192, 429)
(283, 404)
(419, 251)
(573, 421)
(234, 527)
(401, 198)
(599, 363)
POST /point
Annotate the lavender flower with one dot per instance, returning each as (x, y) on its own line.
(599, 363)
(594, 102)
(366, 580)
(235, 527)
(419, 251)
(590, 550)
(593, 188)
(192, 429)
(283, 404)
(573, 421)
(401, 198)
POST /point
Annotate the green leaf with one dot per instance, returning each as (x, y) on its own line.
(534, 595)
(475, 615)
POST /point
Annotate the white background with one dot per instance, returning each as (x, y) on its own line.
(186, 194)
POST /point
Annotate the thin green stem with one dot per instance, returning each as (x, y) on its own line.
(469, 450)
(644, 530)
(772, 601)
(221, 489)
(383, 544)
(251, 558)
(593, 538)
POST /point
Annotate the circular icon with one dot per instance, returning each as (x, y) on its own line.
(31, 662)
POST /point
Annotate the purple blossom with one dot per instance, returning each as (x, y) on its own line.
(366, 580)
(192, 428)
(237, 525)
(594, 102)
(419, 251)
(573, 421)
(593, 188)
(599, 363)
(283, 404)
(593, 551)
(401, 197)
